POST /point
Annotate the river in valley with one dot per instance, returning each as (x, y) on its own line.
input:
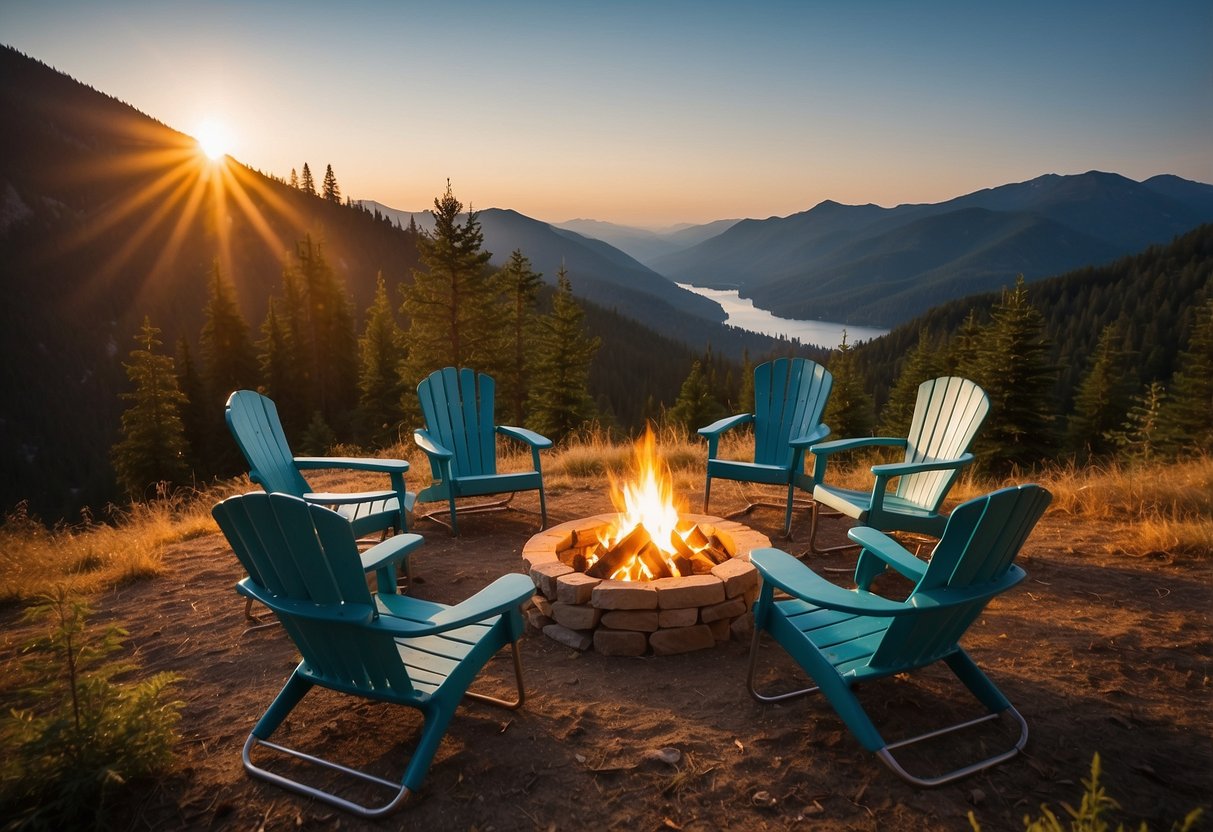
(743, 314)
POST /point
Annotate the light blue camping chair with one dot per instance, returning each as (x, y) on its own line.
(460, 440)
(789, 397)
(947, 415)
(843, 637)
(303, 563)
(253, 420)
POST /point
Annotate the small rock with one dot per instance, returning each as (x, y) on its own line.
(669, 756)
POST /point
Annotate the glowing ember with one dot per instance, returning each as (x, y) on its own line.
(649, 540)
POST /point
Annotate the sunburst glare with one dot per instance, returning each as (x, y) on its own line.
(214, 139)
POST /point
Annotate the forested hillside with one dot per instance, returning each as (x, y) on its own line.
(108, 217)
(1152, 296)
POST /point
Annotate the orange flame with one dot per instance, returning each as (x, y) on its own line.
(645, 498)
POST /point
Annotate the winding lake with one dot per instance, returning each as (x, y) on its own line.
(743, 314)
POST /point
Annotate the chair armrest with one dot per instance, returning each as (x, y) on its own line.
(348, 498)
(502, 595)
(880, 545)
(432, 448)
(837, 445)
(815, 435)
(387, 466)
(525, 436)
(900, 469)
(822, 450)
(395, 548)
(785, 572)
(348, 613)
(727, 423)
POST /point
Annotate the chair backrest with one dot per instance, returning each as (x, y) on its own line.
(789, 397)
(253, 420)
(947, 416)
(458, 409)
(305, 560)
(969, 565)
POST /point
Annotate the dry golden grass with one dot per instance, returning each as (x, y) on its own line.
(1156, 508)
(91, 556)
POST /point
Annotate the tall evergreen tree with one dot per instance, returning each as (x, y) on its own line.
(697, 405)
(1140, 437)
(197, 419)
(330, 190)
(925, 362)
(1013, 367)
(294, 180)
(961, 355)
(229, 361)
(520, 287)
(330, 348)
(451, 305)
(1187, 418)
(1102, 398)
(152, 449)
(307, 184)
(745, 396)
(281, 372)
(849, 412)
(560, 400)
(379, 384)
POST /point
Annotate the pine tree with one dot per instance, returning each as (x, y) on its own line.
(379, 383)
(697, 405)
(451, 305)
(329, 347)
(294, 180)
(1140, 437)
(849, 410)
(197, 419)
(307, 184)
(330, 191)
(283, 371)
(745, 396)
(229, 361)
(925, 362)
(960, 357)
(1102, 398)
(520, 286)
(152, 449)
(1013, 368)
(560, 399)
(1187, 418)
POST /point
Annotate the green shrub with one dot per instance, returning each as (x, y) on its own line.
(1091, 815)
(80, 737)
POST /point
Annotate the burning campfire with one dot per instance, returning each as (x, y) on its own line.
(648, 578)
(650, 540)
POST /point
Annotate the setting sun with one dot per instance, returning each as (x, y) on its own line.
(214, 139)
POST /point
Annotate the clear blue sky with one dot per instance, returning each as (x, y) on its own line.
(655, 113)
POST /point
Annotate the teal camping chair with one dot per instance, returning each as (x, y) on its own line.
(253, 421)
(460, 440)
(789, 397)
(947, 416)
(303, 563)
(843, 637)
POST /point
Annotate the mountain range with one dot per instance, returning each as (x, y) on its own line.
(865, 264)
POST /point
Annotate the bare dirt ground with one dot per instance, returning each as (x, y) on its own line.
(1101, 653)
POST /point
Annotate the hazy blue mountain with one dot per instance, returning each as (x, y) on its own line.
(643, 244)
(598, 271)
(881, 266)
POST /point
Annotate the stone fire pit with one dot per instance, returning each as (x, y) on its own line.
(631, 618)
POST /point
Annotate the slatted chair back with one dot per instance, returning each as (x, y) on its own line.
(789, 397)
(253, 420)
(972, 563)
(306, 558)
(947, 415)
(458, 408)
